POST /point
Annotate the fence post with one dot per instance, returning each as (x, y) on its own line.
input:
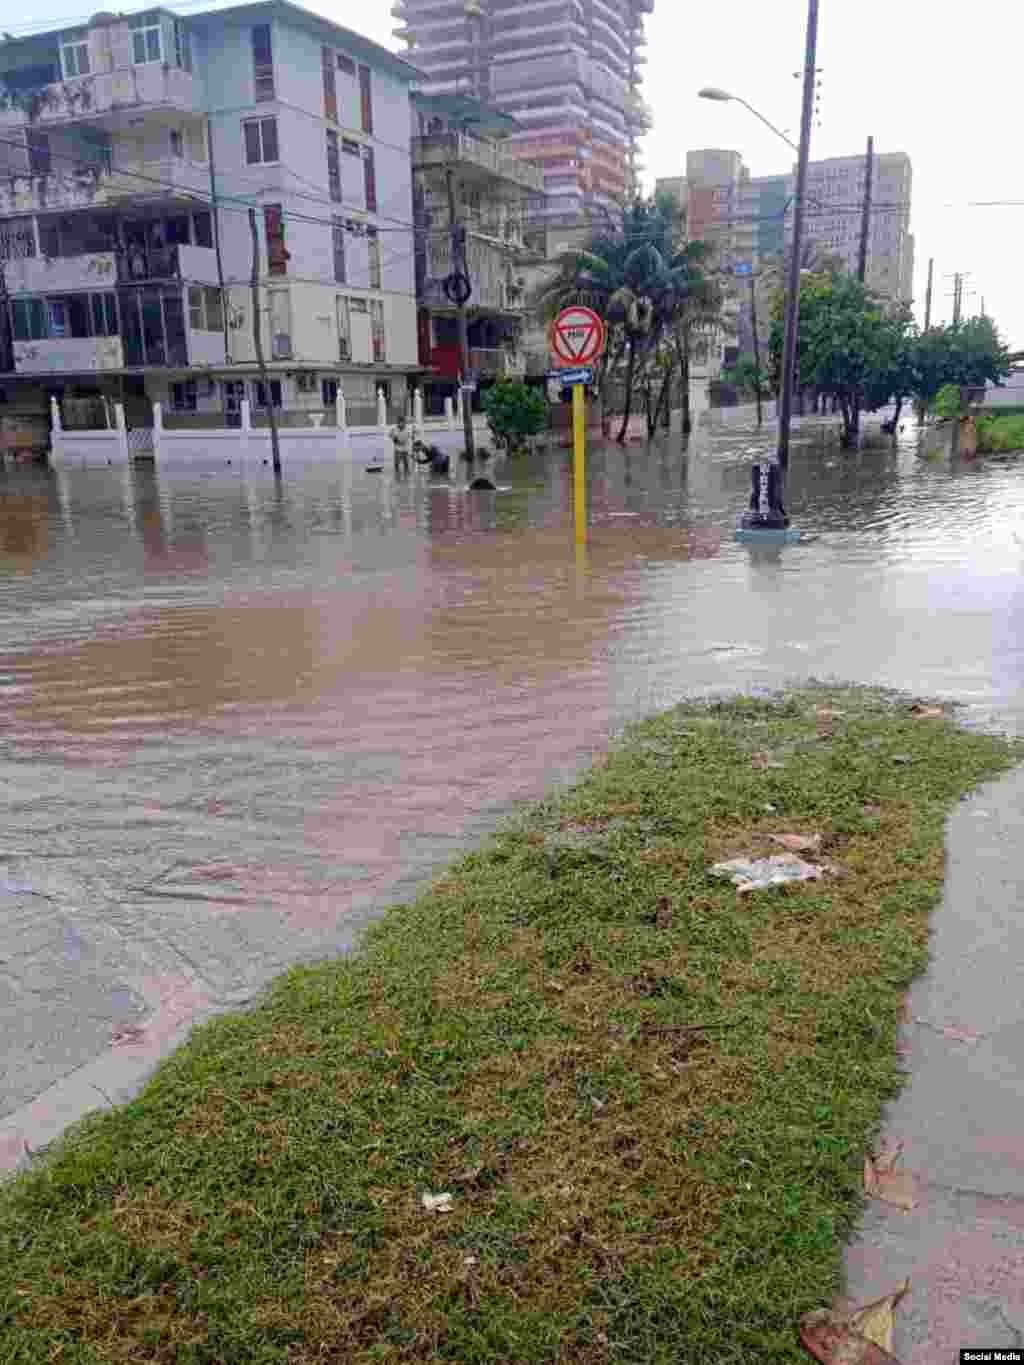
(56, 430)
(458, 406)
(245, 415)
(158, 429)
(122, 431)
(382, 410)
(449, 414)
(417, 415)
(342, 420)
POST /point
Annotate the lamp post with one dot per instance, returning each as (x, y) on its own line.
(767, 517)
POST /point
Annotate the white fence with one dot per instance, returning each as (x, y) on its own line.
(246, 443)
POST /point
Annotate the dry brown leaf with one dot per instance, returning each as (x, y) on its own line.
(759, 760)
(883, 1181)
(663, 912)
(876, 1320)
(798, 843)
(830, 1339)
(924, 712)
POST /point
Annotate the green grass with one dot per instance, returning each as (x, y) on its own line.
(627, 1186)
(1000, 433)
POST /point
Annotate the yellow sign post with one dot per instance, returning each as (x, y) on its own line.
(577, 337)
(579, 457)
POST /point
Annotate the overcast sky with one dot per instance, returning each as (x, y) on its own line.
(939, 83)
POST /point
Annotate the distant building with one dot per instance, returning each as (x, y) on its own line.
(569, 73)
(832, 221)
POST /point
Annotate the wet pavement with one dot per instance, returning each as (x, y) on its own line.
(240, 717)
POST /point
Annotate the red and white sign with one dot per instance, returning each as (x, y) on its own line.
(577, 336)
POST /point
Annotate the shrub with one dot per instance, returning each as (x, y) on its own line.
(515, 412)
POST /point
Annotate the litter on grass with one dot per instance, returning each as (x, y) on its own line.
(436, 1203)
(755, 874)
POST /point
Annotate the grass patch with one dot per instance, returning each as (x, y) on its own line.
(1004, 432)
(626, 1187)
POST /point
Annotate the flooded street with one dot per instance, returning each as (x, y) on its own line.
(240, 717)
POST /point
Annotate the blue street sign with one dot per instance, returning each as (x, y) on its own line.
(743, 268)
(583, 374)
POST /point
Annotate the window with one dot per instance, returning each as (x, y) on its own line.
(262, 63)
(369, 180)
(202, 228)
(38, 152)
(177, 145)
(29, 317)
(260, 141)
(259, 393)
(333, 167)
(205, 309)
(330, 85)
(344, 346)
(146, 39)
(104, 315)
(182, 46)
(56, 318)
(328, 392)
(273, 223)
(338, 244)
(377, 330)
(373, 252)
(74, 58)
(17, 240)
(183, 396)
(365, 102)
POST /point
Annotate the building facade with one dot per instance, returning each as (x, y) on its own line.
(835, 194)
(569, 71)
(459, 137)
(133, 150)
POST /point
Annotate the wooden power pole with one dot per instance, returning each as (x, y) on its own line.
(865, 219)
(928, 295)
(257, 338)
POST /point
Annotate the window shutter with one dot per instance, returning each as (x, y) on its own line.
(365, 99)
(330, 84)
(277, 256)
(370, 180)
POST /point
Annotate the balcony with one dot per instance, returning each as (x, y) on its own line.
(110, 98)
(470, 155)
(94, 187)
(61, 274)
(68, 355)
(195, 263)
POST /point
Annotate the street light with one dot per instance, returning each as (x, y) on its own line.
(767, 518)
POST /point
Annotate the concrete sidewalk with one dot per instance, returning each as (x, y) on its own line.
(961, 1116)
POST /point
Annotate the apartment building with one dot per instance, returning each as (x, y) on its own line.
(132, 149)
(835, 194)
(569, 71)
(490, 186)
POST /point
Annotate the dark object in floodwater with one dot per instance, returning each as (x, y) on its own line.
(480, 483)
(433, 456)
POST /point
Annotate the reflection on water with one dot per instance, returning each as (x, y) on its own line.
(239, 715)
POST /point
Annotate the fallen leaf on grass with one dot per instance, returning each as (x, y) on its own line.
(798, 843)
(663, 912)
(764, 760)
(883, 1181)
(830, 1339)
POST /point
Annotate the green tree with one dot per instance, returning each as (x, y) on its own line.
(514, 413)
(964, 353)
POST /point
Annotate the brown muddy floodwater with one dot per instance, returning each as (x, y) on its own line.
(239, 717)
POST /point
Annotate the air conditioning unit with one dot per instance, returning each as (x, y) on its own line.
(282, 346)
(305, 381)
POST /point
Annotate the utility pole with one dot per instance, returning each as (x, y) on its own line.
(215, 219)
(257, 337)
(928, 295)
(865, 220)
(6, 330)
(958, 294)
(460, 291)
(757, 346)
(793, 300)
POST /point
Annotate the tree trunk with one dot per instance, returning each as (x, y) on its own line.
(628, 407)
(608, 370)
(662, 404)
(682, 341)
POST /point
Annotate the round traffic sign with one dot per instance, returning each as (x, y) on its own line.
(577, 336)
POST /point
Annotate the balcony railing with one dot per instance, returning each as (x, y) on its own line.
(96, 187)
(152, 85)
(444, 149)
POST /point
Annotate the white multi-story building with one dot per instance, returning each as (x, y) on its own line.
(132, 150)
